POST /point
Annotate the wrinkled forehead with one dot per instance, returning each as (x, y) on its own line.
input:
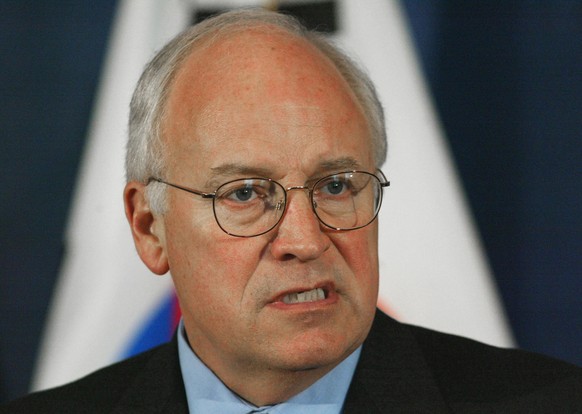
(224, 116)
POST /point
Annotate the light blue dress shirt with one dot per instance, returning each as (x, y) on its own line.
(207, 394)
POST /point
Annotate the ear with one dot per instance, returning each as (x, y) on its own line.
(146, 228)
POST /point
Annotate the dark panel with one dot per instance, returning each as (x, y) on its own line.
(50, 55)
(507, 81)
(320, 15)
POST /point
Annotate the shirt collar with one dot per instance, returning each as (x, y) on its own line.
(206, 393)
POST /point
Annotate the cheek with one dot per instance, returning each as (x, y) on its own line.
(191, 232)
(206, 264)
(359, 250)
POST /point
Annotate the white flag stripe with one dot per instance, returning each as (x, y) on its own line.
(104, 291)
(433, 271)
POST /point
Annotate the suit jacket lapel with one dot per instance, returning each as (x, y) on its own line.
(158, 387)
(392, 376)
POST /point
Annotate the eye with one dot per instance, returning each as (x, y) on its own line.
(243, 193)
(247, 192)
(335, 187)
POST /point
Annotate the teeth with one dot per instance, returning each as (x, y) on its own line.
(309, 296)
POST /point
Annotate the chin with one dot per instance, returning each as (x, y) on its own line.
(315, 353)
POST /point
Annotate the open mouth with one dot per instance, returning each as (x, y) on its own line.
(312, 295)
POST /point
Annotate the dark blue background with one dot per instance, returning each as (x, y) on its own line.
(507, 82)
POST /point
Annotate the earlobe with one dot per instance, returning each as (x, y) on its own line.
(146, 228)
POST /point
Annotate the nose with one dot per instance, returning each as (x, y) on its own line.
(299, 234)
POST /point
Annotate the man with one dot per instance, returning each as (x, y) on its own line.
(253, 178)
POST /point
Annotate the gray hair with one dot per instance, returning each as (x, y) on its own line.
(145, 148)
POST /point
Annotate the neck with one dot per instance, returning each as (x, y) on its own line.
(272, 376)
(263, 385)
(269, 388)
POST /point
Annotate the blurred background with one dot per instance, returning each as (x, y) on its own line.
(506, 82)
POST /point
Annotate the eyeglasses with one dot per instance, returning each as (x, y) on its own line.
(249, 207)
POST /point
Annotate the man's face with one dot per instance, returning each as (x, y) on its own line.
(266, 104)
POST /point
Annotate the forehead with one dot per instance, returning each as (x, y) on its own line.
(261, 89)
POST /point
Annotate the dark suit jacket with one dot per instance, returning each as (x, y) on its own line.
(402, 369)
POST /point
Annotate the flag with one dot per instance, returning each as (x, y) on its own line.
(107, 304)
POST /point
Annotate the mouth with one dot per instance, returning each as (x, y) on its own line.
(300, 298)
(312, 295)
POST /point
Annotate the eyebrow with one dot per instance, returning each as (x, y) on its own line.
(239, 169)
(232, 170)
(236, 170)
(344, 163)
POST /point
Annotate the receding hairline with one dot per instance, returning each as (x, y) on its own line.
(230, 33)
(207, 39)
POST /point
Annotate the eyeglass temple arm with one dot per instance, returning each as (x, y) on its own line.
(179, 187)
(384, 181)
